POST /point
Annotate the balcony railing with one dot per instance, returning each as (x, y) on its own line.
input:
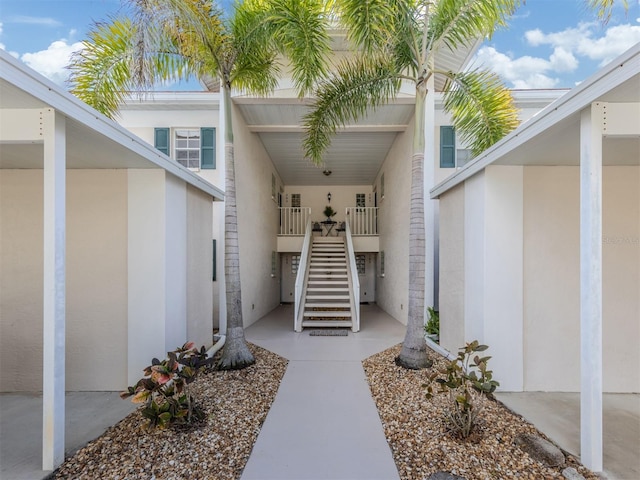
(363, 220)
(293, 220)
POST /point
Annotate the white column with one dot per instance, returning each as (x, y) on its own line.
(591, 287)
(53, 372)
(220, 276)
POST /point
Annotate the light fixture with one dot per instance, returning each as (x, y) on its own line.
(326, 172)
(329, 197)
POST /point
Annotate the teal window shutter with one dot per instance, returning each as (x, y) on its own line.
(447, 147)
(208, 148)
(161, 140)
(213, 276)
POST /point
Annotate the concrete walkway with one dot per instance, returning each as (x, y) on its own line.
(323, 424)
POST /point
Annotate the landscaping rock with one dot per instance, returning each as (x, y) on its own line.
(571, 473)
(444, 476)
(540, 449)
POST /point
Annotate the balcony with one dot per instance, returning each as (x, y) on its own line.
(363, 223)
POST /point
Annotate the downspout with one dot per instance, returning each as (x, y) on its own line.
(217, 346)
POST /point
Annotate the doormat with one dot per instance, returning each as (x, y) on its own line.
(334, 332)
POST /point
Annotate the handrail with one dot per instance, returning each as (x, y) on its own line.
(363, 220)
(301, 276)
(293, 220)
(355, 281)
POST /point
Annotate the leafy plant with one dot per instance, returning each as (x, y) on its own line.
(433, 324)
(329, 212)
(467, 381)
(164, 389)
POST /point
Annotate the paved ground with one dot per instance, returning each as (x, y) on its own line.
(323, 424)
(88, 415)
(558, 416)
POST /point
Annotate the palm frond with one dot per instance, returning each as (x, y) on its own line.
(299, 29)
(481, 108)
(604, 8)
(370, 24)
(100, 73)
(457, 22)
(358, 85)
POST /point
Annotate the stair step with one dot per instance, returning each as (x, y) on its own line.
(327, 305)
(328, 254)
(326, 264)
(329, 314)
(344, 283)
(328, 297)
(327, 289)
(327, 276)
(327, 323)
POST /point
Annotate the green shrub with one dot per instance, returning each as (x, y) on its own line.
(433, 324)
(164, 389)
(467, 381)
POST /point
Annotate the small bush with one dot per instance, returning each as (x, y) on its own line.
(164, 389)
(433, 324)
(467, 381)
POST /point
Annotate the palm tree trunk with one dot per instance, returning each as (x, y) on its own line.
(235, 354)
(414, 348)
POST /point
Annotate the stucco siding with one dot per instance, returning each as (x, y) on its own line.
(552, 278)
(621, 278)
(393, 224)
(257, 223)
(452, 279)
(199, 267)
(96, 279)
(21, 267)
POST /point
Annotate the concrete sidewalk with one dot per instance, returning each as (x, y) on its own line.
(323, 424)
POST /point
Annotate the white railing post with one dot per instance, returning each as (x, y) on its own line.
(293, 220)
(363, 220)
(355, 281)
(301, 276)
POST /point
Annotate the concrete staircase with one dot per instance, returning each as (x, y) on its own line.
(328, 296)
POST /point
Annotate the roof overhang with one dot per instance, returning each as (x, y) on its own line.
(552, 137)
(93, 141)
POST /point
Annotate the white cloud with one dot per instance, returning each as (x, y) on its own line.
(586, 42)
(52, 62)
(523, 72)
(29, 20)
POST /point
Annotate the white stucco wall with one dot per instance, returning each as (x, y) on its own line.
(452, 279)
(96, 279)
(200, 298)
(393, 225)
(257, 223)
(551, 260)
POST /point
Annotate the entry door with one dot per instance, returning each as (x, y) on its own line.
(289, 271)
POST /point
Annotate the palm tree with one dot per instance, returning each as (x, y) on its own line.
(397, 42)
(173, 39)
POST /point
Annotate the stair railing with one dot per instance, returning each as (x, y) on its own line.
(301, 278)
(353, 280)
(293, 220)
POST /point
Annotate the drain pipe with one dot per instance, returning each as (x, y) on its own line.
(217, 346)
(438, 349)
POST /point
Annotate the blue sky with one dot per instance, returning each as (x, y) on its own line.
(549, 43)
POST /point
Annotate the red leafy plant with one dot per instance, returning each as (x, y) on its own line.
(164, 389)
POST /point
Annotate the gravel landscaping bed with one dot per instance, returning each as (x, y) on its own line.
(236, 403)
(421, 444)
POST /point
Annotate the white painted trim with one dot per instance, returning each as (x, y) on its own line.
(54, 292)
(16, 73)
(623, 68)
(591, 287)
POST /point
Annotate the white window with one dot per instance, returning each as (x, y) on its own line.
(360, 200)
(295, 262)
(295, 200)
(187, 147)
